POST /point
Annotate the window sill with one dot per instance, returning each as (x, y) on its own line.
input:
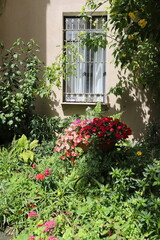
(82, 103)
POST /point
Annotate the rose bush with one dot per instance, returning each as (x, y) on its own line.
(89, 132)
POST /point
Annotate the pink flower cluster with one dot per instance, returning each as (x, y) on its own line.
(32, 214)
(52, 237)
(85, 131)
(49, 226)
(48, 229)
(71, 139)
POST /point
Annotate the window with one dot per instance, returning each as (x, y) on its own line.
(87, 83)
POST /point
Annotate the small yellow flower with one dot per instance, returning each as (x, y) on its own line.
(123, 55)
(158, 164)
(40, 222)
(130, 37)
(58, 192)
(132, 15)
(139, 153)
(60, 217)
(142, 23)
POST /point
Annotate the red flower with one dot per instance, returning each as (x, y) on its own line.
(40, 176)
(100, 134)
(102, 129)
(34, 166)
(67, 154)
(31, 205)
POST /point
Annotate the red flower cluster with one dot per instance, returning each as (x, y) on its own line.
(106, 129)
(40, 176)
(87, 131)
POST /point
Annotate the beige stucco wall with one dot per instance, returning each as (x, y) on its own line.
(42, 20)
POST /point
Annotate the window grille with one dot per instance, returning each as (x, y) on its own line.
(86, 83)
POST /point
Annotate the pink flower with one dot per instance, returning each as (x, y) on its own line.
(49, 226)
(112, 130)
(31, 237)
(30, 175)
(32, 214)
(47, 171)
(40, 176)
(52, 237)
(67, 146)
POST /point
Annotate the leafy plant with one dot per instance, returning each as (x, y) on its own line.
(105, 195)
(135, 41)
(19, 84)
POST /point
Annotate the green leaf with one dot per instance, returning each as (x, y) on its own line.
(23, 142)
(27, 155)
(33, 144)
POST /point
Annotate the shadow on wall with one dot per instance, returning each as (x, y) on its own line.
(138, 109)
(2, 6)
(47, 107)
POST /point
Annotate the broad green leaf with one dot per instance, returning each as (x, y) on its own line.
(23, 142)
(27, 155)
(33, 144)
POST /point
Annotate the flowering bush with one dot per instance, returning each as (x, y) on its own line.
(90, 131)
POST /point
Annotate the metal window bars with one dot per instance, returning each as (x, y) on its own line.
(86, 81)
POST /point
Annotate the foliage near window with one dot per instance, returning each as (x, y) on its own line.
(136, 34)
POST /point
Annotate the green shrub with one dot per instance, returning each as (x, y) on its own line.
(46, 128)
(112, 195)
(21, 81)
(43, 128)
